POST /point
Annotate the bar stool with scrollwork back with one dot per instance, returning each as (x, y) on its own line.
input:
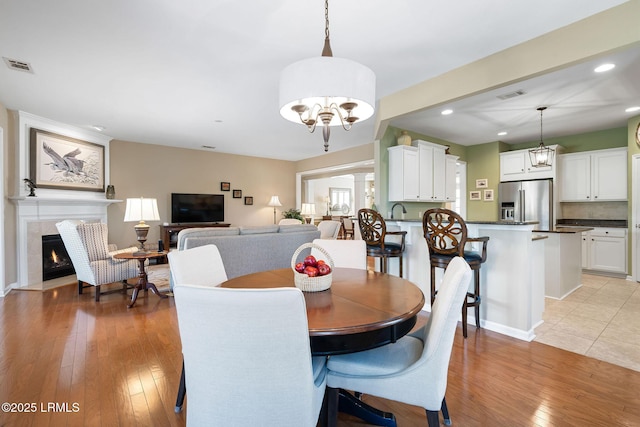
(446, 234)
(374, 232)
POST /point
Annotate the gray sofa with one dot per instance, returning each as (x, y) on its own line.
(246, 250)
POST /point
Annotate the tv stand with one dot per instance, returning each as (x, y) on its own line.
(169, 233)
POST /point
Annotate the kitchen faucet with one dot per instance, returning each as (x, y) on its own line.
(404, 211)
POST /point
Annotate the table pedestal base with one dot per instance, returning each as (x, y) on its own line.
(143, 284)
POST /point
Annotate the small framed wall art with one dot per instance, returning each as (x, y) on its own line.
(474, 195)
(482, 183)
(225, 186)
(488, 195)
(248, 200)
(237, 194)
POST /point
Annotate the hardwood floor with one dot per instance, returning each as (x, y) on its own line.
(121, 368)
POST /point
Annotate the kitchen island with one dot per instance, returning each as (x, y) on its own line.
(512, 280)
(563, 272)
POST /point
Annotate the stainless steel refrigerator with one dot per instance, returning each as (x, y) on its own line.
(522, 201)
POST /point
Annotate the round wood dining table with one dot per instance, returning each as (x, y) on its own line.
(361, 310)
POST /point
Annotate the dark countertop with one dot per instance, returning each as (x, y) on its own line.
(613, 223)
(504, 222)
(565, 230)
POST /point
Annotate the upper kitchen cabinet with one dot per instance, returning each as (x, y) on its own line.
(421, 173)
(594, 176)
(516, 166)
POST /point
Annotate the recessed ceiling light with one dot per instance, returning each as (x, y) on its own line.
(446, 112)
(98, 128)
(502, 133)
(604, 67)
(632, 109)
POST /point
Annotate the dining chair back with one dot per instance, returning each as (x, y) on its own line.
(344, 253)
(200, 266)
(414, 369)
(373, 230)
(329, 229)
(447, 237)
(347, 227)
(252, 364)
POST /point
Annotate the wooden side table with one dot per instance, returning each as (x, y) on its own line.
(143, 283)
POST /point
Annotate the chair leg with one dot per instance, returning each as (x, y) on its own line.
(400, 261)
(433, 419)
(464, 317)
(97, 293)
(445, 412)
(433, 284)
(182, 390)
(476, 291)
(80, 286)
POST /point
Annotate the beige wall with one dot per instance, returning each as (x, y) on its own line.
(145, 170)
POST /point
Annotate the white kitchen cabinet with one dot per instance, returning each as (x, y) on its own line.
(605, 249)
(418, 173)
(451, 170)
(594, 176)
(516, 166)
(403, 173)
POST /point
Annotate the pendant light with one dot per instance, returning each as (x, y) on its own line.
(541, 156)
(334, 91)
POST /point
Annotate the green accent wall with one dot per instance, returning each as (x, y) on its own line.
(483, 162)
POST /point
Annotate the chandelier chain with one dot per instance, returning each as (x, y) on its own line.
(326, 19)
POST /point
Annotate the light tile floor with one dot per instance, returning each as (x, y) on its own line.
(601, 319)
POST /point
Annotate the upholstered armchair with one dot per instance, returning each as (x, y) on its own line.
(92, 256)
(329, 229)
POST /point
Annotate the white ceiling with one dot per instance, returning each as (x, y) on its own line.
(198, 72)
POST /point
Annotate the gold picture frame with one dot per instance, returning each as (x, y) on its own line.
(60, 162)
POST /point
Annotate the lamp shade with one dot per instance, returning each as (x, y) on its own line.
(141, 210)
(308, 209)
(275, 201)
(324, 80)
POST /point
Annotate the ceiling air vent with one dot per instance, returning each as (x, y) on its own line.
(209, 147)
(18, 65)
(512, 94)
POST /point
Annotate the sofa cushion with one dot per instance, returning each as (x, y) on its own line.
(183, 235)
(259, 229)
(297, 228)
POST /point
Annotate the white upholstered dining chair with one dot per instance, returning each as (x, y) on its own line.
(92, 257)
(344, 253)
(200, 266)
(329, 229)
(253, 365)
(414, 369)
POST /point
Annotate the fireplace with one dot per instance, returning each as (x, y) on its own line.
(55, 259)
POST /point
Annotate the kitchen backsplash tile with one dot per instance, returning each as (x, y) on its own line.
(594, 210)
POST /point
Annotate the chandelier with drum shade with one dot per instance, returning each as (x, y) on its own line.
(333, 91)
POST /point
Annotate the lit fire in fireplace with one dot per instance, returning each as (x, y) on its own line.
(54, 257)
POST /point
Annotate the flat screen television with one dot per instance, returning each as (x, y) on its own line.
(194, 208)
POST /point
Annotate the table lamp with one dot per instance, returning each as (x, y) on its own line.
(308, 210)
(141, 210)
(275, 201)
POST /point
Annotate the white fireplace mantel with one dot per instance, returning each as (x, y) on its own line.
(37, 216)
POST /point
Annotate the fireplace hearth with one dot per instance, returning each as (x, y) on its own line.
(55, 259)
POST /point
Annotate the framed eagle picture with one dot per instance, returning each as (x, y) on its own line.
(65, 163)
